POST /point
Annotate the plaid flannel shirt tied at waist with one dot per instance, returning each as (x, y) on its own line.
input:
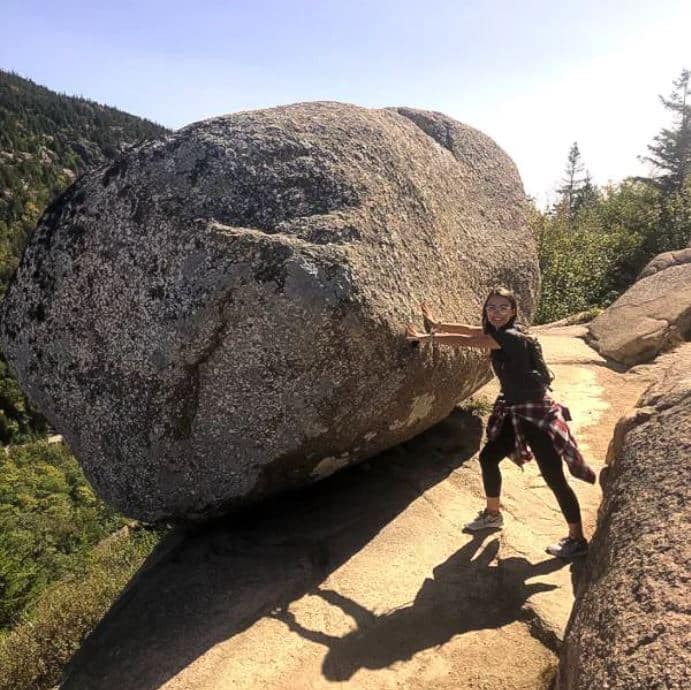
(551, 417)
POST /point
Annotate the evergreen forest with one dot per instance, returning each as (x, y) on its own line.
(594, 241)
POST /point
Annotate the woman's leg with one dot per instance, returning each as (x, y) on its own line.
(490, 457)
(550, 464)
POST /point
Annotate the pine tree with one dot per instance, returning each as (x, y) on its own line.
(572, 183)
(586, 195)
(670, 151)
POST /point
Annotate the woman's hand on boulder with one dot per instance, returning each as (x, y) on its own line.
(412, 334)
(431, 322)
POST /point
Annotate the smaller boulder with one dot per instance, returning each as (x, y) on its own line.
(666, 260)
(650, 317)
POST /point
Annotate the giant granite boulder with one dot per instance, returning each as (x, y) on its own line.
(652, 316)
(219, 315)
(631, 621)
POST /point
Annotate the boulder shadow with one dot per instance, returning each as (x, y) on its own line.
(203, 586)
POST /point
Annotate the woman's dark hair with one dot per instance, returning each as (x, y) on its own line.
(499, 291)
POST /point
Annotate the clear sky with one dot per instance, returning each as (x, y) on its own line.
(534, 75)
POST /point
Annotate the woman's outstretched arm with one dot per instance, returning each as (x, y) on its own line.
(432, 323)
(481, 340)
(454, 339)
(460, 329)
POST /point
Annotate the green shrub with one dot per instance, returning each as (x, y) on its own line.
(476, 404)
(33, 654)
(49, 520)
(591, 256)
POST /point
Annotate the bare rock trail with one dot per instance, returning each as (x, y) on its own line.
(366, 579)
(631, 621)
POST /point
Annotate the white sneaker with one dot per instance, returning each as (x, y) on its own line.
(568, 548)
(485, 520)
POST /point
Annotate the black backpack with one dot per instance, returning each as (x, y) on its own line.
(537, 360)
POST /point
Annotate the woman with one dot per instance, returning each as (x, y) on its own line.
(524, 418)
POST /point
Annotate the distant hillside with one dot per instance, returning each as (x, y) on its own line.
(46, 140)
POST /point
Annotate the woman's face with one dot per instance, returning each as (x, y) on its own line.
(499, 311)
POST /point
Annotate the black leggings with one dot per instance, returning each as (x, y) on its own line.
(547, 459)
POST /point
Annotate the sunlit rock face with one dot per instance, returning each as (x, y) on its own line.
(630, 622)
(219, 315)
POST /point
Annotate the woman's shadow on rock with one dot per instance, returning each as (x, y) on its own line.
(466, 593)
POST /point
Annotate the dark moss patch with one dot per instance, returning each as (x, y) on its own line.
(333, 236)
(198, 169)
(138, 215)
(11, 332)
(185, 401)
(118, 169)
(271, 264)
(75, 232)
(43, 279)
(77, 200)
(37, 313)
(270, 272)
(63, 205)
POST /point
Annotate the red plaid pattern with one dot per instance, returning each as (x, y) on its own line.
(551, 417)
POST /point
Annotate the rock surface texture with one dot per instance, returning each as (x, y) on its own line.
(219, 315)
(666, 260)
(651, 316)
(631, 622)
